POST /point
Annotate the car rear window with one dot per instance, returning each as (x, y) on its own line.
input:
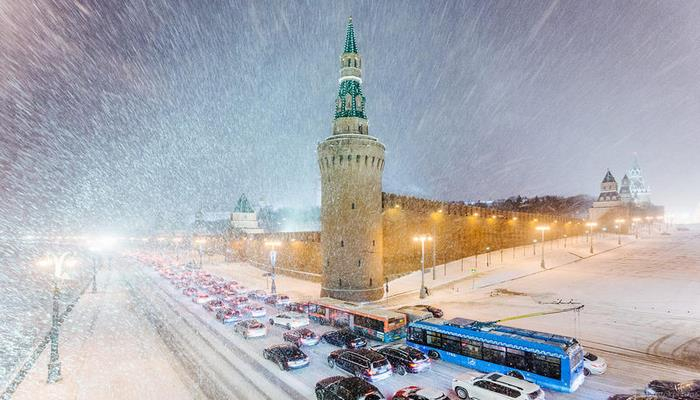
(380, 364)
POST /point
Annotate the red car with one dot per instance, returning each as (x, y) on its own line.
(418, 393)
(213, 305)
(301, 337)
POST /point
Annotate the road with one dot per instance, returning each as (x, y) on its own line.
(236, 366)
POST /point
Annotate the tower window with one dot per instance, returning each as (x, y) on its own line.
(359, 263)
(370, 282)
(373, 243)
(352, 207)
(357, 159)
(342, 243)
(366, 158)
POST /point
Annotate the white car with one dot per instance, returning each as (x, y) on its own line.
(495, 386)
(255, 310)
(201, 297)
(250, 328)
(290, 320)
(593, 364)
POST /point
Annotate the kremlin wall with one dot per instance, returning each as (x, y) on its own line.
(459, 231)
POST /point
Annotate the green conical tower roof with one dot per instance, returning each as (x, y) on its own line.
(350, 46)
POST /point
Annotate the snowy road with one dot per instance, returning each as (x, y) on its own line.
(629, 368)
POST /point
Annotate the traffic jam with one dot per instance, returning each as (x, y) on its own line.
(379, 344)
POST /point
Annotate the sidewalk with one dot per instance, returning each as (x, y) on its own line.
(514, 265)
(517, 261)
(108, 352)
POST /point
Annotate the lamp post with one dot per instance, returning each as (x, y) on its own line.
(273, 244)
(590, 226)
(54, 361)
(200, 242)
(618, 224)
(543, 229)
(422, 239)
(635, 222)
(534, 242)
(488, 256)
(565, 241)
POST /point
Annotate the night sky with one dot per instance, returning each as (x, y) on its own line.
(113, 112)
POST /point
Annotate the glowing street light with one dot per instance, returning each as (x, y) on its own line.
(534, 242)
(543, 229)
(636, 221)
(422, 239)
(57, 262)
(591, 226)
(618, 223)
(273, 245)
(200, 241)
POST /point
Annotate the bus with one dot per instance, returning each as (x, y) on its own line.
(366, 320)
(551, 361)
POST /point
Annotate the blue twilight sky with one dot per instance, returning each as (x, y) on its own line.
(114, 112)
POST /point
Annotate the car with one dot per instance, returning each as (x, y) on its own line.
(495, 386)
(344, 338)
(418, 393)
(241, 290)
(301, 337)
(688, 390)
(250, 328)
(593, 364)
(290, 320)
(213, 305)
(286, 356)
(255, 310)
(241, 301)
(405, 358)
(637, 397)
(200, 297)
(341, 388)
(277, 300)
(364, 363)
(189, 292)
(257, 294)
(297, 307)
(228, 315)
(437, 313)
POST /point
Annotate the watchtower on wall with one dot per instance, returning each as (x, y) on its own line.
(351, 163)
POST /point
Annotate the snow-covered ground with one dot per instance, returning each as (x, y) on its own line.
(109, 351)
(641, 313)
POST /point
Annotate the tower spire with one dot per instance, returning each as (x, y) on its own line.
(350, 115)
(350, 46)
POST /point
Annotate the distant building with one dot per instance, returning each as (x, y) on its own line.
(609, 201)
(639, 191)
(632, 199)
(243, 220)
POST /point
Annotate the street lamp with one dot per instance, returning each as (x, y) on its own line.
(565, 241)
(543, 229)
(649, 219)
(57, 262)
(273, 244)
(636, 221)
(618, 223)
(488, 256)
(422, 239)
(591, 225)
(200, 242)
(534, 242)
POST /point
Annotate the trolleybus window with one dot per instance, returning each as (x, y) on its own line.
(369, 323)
(471, 348)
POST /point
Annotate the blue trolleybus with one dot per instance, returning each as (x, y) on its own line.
(551, 361)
